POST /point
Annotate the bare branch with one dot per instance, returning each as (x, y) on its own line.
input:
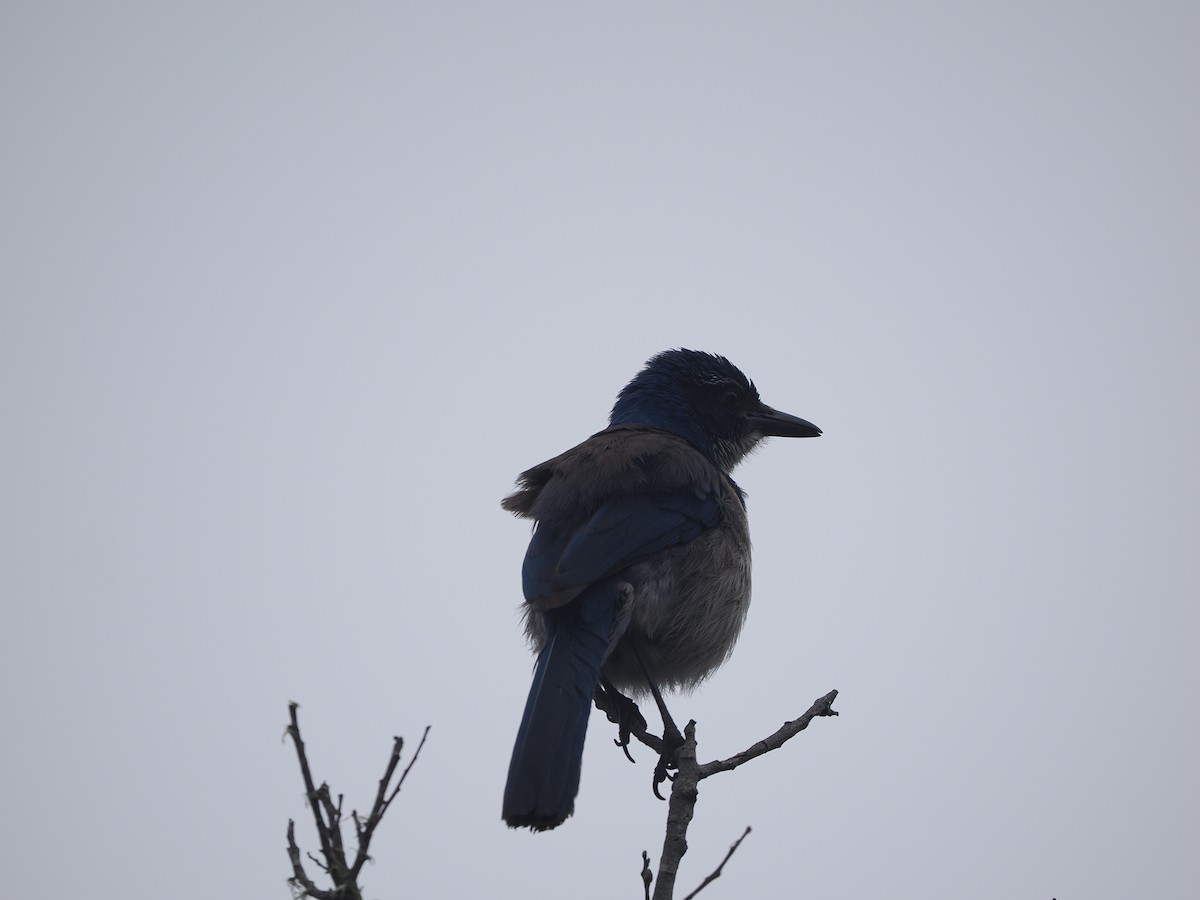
(310, 789)
(328, 819)
(383, 800)
(679, 814)
(299, 877)
(685, 791)
(786, 732)
(717, 872)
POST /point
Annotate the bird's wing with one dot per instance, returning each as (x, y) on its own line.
(622, 531)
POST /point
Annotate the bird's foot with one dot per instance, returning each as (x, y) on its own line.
(672, 740)
(622, 712)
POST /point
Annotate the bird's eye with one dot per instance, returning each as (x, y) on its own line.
(730, 398)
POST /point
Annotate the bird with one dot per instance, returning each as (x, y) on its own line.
(637, 574)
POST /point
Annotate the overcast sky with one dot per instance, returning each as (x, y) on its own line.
(291, 291)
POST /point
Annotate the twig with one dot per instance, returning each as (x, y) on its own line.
(716, 873)
(300, 877)
(380, 806)
(786, 732)
(328, 819)
(310, 789)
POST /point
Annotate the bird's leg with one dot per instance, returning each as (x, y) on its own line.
(623, 712)
(672, 738)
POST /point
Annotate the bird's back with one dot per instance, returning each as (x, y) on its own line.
(644, 505)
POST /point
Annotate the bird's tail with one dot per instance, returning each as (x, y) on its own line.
(543, 777)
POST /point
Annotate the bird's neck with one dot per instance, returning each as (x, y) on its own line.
(677, 417)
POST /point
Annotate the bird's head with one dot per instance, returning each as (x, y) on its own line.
(706, 400)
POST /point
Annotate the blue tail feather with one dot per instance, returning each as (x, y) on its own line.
(543, 776)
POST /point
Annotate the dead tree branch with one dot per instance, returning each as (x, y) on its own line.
(685, 791)
(327, 816)
(787, 731)
(716, 873)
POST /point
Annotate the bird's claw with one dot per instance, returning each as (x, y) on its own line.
(671, 742)
(660, 775)
(622, 712)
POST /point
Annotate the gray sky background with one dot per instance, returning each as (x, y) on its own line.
(292, 291)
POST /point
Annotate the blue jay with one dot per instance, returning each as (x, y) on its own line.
(638, 571)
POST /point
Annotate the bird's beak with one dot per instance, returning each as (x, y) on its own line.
(774, 423)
